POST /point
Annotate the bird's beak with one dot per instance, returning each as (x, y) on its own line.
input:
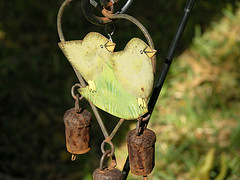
(149, 52)
(110, 46)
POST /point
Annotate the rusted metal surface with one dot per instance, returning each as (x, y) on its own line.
(107, 173)
(141, 150)
(77, 131)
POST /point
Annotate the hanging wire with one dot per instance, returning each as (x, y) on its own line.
(139, 25)
(82, 82)
(115, 129)
(110, 33)
(113, 163)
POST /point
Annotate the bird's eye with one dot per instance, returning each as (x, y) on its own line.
(141, 51)
(101, 46)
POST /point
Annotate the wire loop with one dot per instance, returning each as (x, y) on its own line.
(112, 165)
(112, 147)
(102, 20)
(73, 157)
(73, 89)
(111, 33)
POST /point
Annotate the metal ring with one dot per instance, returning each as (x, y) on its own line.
(100, 20)
(121, 11)
(73, 157)
(110, 34)
(146, 118)
(102, 159)
(125, 7)
(112, 147)
(91, 17)
(72, 91)
(113, 29)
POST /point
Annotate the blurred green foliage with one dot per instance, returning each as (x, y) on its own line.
(35, 82)
(197, 115)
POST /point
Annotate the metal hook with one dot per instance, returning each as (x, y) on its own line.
(141, 124)
(101, 20)
(121, 11)
(110, 34)
(77, 108)
(72, 91)
(73, 158)
(139, 25)
(112, 147)
(91, 17)
(112, 165)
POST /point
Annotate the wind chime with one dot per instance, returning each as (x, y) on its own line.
(118, 82)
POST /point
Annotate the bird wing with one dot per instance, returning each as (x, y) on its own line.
(112, 97)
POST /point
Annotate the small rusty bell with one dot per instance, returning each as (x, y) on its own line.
(77, 131)
(107, 173)
(141, 150)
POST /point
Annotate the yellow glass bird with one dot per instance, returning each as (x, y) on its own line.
(88, 56)
(133, 69)
(118, 82)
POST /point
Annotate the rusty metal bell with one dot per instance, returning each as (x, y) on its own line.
(141, 150)
(107, 173)
(77, 130)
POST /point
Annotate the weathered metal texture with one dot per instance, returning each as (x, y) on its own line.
(107, 174)
(77, 131)
(141, 150)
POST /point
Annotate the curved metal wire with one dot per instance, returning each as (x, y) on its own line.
(121, 11)
(73, 89)
(112, 147)
(59, 19)
(82, 82)
(125, 7)
(139, 25)
(113, 163)
(100, 20)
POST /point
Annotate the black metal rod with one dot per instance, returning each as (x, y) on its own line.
(163, 73)
(169, 56)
